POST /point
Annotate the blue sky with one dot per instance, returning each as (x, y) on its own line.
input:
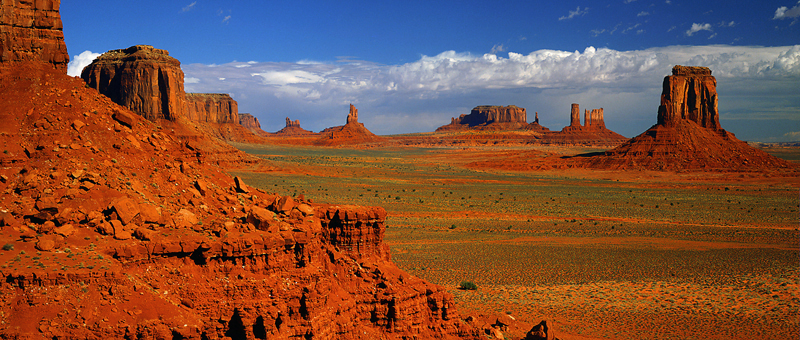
(411, 65)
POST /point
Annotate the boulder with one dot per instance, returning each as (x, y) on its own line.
(538, 332)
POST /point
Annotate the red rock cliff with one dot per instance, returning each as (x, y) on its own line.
(212, 108)
(142, 78)
(248, 121)
(689, 93)
(489, 116)
(32, 31)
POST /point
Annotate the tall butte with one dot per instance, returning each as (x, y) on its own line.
(688, 135)
(32, 31)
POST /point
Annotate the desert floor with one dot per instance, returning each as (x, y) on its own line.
(599, 254)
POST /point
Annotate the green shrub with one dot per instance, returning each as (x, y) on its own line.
(8, 246)
(467, 285)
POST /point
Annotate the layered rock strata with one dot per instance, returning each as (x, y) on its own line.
(217, 108)
(249, 121)
(32, 31)
(689, 94)
(489, 117)
(142, 78)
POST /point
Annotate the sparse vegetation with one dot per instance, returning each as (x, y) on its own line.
(467, 285)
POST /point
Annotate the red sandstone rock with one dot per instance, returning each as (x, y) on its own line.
(594, 132)
(690, 93)
(217, 108)
(293, 129)
(575, 115)
(489, 117)
(687, 135)
(32, 31)
(142, 78)
(351, 133)
(249, 122)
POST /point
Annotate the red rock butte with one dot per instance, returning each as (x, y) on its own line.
(593, 131)
(351, 133)
(489, 117)
(688, 135)
(217, 108)
(32, 31)
(293, 129)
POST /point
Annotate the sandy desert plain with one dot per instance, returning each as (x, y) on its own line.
(598, 254)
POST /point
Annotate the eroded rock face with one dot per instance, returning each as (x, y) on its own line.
(594, 119)
(352, 117)
(689, 93)
(32, 31)
(575, 115)
(293, 129)
(142, 78)
(217, 108)
(488, 116)
(249, 121)
(351, 133)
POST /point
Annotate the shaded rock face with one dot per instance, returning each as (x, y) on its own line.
(217, 108)
(594, 119)
(32, 31)
(689, 93)
(575, 115)
(249, 121)
(352, 117)
(142, 78)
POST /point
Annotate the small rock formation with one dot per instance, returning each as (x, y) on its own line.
(489, 117)
(217, 108)
(690, 93)
(32, 31)
(594, 119)
(351, 117)
(538, 332)
(688, 135)
(593, 131)
(293, 129)
(142, 78)
(535, 126)
(351, 133)
(249, 122)
(575, 115)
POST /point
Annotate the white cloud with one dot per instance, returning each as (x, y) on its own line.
(190, 80)
(78, 62)
(784, 12)
(697, 28)
(792, 136)
(189, 7)
(626, 83)
(642, 13)
(577, 12)
(497, 48)
(226, 19)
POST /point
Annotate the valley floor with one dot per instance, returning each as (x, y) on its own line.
(598, 254)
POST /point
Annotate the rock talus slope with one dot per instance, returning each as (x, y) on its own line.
(135, 233)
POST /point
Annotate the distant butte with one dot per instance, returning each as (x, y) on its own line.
(293, 129)
(351, 133)
(489, 117)
(593, 130)
(688, 134)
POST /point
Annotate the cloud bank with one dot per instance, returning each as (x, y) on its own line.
(422, 95)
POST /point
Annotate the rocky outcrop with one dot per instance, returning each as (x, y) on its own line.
(593, 132)
(217, 108)
(688, 135)
(293, 129)
(249, 122)
(142, 78)
(535, 126)
(690, 94)
(166, 245)
(351, 133)
(594, 119)
(32, 31)
(489, 117)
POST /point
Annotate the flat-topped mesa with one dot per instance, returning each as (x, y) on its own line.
(249, 121)
(212, 108)
(353, 115)
(32, 31)
(142, 78)
(489, 117)
(594, 119)
(690, 93)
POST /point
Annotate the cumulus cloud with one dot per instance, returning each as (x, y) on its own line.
(78, 62)
(784, 12)
(189, 7)
(497, 48)
(697, 28)
(434, 88)
(576, 13)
